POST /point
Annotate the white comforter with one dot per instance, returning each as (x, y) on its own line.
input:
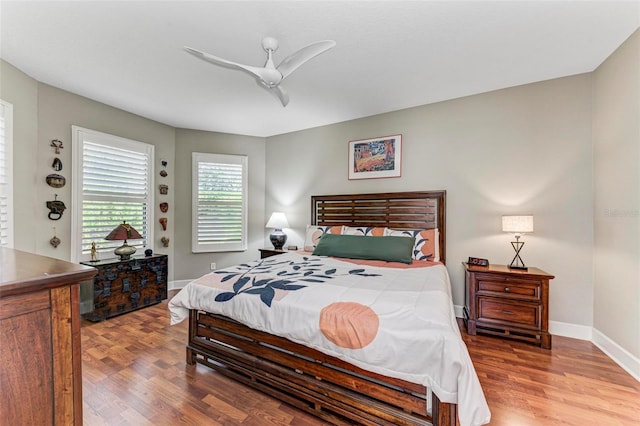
(417, 338)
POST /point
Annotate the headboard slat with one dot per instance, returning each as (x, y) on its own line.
(397, 210)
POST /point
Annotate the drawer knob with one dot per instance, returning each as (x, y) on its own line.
(506, 289)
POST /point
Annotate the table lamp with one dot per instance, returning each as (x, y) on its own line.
(125, 232)
(517, 225)
(277, 221)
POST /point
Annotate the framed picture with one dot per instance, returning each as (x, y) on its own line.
(375, 158)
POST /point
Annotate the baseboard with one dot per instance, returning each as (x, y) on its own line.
(620, 355)
(575, 331)
(177, 285)
(457, 309)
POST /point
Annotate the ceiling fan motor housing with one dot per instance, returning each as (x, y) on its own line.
(270, 44)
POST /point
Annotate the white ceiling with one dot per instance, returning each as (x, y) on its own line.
(390, 55)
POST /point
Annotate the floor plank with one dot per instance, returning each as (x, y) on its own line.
(134, 373)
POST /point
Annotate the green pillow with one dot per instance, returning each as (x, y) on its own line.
(391, 249)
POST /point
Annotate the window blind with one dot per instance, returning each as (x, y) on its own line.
(6, 178)
(219, 202)
(115, 187)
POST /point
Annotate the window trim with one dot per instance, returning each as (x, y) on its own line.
(199, 157)
(77, 184)
(8, 119)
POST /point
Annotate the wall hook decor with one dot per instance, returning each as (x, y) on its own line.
(164, 189)
(164, 206)
(57, 145)
(56, 208)
(163, 223)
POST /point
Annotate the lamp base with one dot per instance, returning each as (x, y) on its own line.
(522, 268)
(278, 238)
(125, 251)
(517, 262)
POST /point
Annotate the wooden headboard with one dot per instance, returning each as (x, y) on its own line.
(397, 210)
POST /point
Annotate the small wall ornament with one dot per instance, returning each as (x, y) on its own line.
(56, 145)
(163, 223)
(164, 189)
(55, 180)
(164, 207)
(54, 241)
(164, 241)
(57, 164)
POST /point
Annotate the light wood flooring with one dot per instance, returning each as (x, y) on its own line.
(134, 373)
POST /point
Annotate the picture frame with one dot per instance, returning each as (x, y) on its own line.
(375, 158)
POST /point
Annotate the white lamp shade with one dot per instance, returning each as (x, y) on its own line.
(277, 221)
(517, 224)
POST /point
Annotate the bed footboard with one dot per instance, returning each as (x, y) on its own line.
(319, 384)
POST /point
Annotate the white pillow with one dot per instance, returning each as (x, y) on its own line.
(367, 231)
(313, 234)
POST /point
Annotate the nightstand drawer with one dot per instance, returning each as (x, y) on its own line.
(499, 310)
(505, 287)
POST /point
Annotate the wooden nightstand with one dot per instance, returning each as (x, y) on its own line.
(508, 302)
(266, 252)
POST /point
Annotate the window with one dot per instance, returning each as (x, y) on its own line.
(6, 174)
(112, 183)
(219, 196)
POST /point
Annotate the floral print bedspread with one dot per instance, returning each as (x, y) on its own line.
(398, 322)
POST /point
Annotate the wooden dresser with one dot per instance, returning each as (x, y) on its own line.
(40, 356)
(508, 302)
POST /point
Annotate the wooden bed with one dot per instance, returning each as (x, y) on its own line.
(319, 384)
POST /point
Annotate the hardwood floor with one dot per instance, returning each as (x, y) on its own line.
(134, 373)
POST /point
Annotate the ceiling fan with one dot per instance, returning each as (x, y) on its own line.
(271, 76)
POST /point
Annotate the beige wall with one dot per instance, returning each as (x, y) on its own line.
(616, 142)
(520, 150)
(43, 113)
(192, 265)
(22, 91)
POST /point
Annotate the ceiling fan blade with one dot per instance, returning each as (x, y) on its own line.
(277, 91)
(255, 72)
(293, 61)
(281, 94)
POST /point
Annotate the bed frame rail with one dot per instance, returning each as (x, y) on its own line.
(308, 379)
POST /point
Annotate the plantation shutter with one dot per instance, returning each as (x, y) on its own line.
(115, 187)
(219, 187)
(6, 178)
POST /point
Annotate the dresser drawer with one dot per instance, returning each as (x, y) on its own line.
(505, 311)
(509, 288)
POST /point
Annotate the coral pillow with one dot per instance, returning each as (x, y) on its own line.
(426, 245)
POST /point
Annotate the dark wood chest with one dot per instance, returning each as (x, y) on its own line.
(124, 286)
